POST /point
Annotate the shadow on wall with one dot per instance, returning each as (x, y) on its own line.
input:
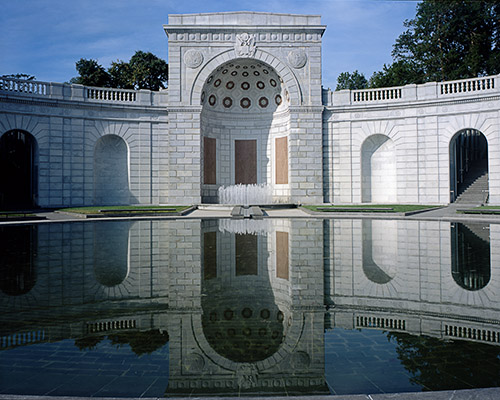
(378, 170)
(111, 172)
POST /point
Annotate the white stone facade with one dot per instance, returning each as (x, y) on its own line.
(108, 146)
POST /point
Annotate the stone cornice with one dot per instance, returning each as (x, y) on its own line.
(102, 111)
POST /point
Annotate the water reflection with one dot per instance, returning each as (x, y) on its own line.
(470, 261)
(255, 307)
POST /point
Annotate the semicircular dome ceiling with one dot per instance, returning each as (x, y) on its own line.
(246, 86)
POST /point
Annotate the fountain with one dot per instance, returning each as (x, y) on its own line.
(246, 195)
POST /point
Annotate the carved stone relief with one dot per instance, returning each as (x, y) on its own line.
(193, 58)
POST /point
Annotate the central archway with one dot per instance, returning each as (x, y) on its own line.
(245, 125)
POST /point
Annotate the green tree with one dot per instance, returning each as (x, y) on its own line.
(148, 71)
(121, 75)
(351, 81)
(143, 71)
(91, 73)
(20, 76)
(447, 40)
(399, 73)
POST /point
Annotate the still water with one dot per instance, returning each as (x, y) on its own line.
(238, 307)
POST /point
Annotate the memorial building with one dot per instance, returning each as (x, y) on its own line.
(245, 105)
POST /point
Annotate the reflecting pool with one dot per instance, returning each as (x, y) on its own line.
(237, 307)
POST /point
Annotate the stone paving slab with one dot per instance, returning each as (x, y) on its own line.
(472, 394)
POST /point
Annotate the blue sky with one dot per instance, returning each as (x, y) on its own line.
(46, 37)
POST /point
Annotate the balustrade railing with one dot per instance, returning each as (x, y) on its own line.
(21, 339)
(24, 86)
(104, 326)
(467, 85)
(111, 94)
(481, 335)
(359, 96)
(366, 321)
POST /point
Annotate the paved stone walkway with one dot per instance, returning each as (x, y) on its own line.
(473, 394)
(448, 213)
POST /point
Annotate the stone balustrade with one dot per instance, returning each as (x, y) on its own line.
(467, 85)
(106, 94)
(72, 92)
(412, 93)
(377, 94)
(22, 339)
(468, 333)
(24, 86)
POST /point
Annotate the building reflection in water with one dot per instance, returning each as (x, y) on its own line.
(245, 306)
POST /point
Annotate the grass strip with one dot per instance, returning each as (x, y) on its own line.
(385, 208)
(124, 209)
(491, 210)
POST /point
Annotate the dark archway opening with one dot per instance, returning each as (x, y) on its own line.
(18, 252)
(19, 171)
(470, 255)
(469, 167)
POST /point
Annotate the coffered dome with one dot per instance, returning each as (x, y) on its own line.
(245, 85)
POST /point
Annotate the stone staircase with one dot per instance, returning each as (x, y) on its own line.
(474, 190)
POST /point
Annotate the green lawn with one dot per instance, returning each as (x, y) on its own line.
(481, 210)
(125, 209)
(395, 208)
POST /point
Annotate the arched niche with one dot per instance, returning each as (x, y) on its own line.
(111, 171)
(380, 250)
(245, 126)
(378, 170)
(468, 164)
(19, 170)
(111, 252)
(470, 255)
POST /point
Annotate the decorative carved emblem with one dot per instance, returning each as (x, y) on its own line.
(247, 376)
(193, 58)
(194, 363)
(297, 58)
(245, 45)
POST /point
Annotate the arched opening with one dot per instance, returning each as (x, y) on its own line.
(111, 173)
(470, 255)
(378, 170)
(244, 126)
(469, 167)
(111, 252)
(18, 249)
(245, 310)
(380, 250)
(19, 170)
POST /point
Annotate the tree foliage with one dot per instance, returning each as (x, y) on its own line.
(351, 81)
(143, 71)
(447, 40)
(450, 40)
(27, 77)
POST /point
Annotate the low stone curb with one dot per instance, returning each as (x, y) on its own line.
(138, 213)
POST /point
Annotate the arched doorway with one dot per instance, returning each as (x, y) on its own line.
(470, 255)
(19, 170)
(469, 167)
(378, 170)
(111, 174)
(245, 127)
(18, 252)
